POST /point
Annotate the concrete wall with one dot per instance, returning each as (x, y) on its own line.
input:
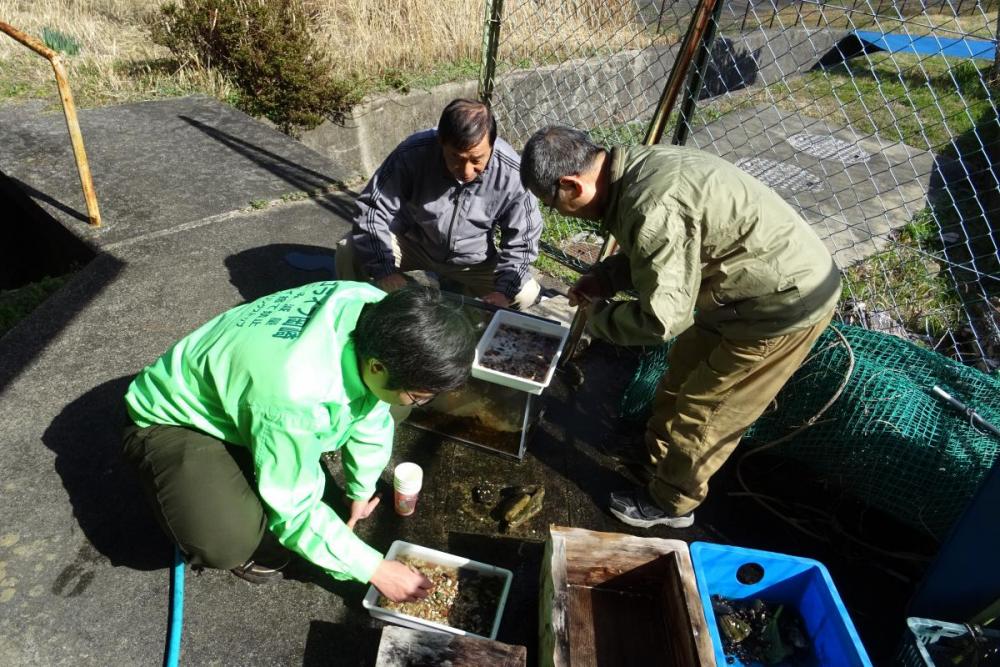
(375, 127)
(606, 90)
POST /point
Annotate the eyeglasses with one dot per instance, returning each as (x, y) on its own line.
(553, 201)
(417, 402)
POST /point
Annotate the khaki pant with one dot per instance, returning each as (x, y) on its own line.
(713, 390)
(477, 279)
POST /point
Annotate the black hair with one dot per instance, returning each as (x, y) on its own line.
(553, 152)
(464, 123)
(425, 343)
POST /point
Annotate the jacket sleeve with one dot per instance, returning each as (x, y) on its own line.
(378, 206)
(666, 272)
(291, 487)
(520, 229)
(366, 453)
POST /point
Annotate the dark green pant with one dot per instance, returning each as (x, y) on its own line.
(201, 492)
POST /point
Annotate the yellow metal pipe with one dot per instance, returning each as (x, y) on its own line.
(69, 111)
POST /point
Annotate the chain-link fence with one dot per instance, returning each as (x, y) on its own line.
(877, 119)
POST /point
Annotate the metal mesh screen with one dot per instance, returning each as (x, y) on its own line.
(876, 120)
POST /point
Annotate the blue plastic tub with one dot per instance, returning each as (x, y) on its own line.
(799, 582)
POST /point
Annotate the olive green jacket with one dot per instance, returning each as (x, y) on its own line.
(704, 242)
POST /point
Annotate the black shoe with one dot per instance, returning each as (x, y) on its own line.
(258, 573)
(636, 508)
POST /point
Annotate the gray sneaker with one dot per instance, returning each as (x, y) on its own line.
(636, 508)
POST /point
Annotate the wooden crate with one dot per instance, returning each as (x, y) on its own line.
(618, 600)
(402, 647)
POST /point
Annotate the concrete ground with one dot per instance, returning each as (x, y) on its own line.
(83, 567)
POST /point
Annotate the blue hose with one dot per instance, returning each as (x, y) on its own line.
(176, 621)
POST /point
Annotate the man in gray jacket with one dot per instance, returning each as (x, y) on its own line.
(438, 202)
(721, 264)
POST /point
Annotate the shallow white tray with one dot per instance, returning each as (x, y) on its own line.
(547, 327)
(400, 548)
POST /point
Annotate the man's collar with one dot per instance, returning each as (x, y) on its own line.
(354, 386)
(615, 170)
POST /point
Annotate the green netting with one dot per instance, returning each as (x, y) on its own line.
(886, 439)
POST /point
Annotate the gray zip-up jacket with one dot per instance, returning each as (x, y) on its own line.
(414, 195)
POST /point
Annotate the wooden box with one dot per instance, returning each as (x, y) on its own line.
(617, 600)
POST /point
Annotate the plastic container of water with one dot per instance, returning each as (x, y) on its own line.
(802, 583)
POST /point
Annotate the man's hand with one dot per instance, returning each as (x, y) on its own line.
(360, 509)
(496, 299)
(399, 582)
(391, 282)
(586, 291)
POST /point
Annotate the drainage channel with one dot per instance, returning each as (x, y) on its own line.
(35, 246)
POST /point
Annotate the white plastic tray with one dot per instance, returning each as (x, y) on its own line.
(400, 548)
(547, 327)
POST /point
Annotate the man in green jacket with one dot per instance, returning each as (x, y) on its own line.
(721, 264)
(230, 424)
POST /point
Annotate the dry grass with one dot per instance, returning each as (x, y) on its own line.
(371, 36)
(117, 61)
(542, 32)
(404, 42)
(426, 33)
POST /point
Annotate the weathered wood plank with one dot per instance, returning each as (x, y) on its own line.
(403, 647)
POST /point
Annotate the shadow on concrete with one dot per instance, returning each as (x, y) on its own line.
(48, 199)
(263, 270)
(302, 178)
(107, 502)
(729, 68)
(20, 346)
(964, 196)
(566, 441)
(326, 645)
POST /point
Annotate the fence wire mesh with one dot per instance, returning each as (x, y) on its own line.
(876, 119)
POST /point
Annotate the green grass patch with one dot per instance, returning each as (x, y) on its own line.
(463, 69)
(627, 134)
(925, 102)
(16, 304)
(60, 41)
(907, 284)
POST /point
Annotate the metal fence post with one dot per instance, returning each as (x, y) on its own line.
(697, 78)
(703, 13)
(695, 36)
(491, 43)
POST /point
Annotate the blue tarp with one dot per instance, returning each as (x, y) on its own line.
(947, 46)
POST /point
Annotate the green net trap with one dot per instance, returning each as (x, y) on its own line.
(887, 440)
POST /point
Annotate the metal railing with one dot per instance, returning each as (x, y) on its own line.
(69, 111)
(876, 119)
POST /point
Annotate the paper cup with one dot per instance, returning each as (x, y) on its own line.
(407, 480)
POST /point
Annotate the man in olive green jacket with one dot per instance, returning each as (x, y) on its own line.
(721, 263)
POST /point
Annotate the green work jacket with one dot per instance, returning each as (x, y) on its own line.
(280, 376)
(704, 242)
